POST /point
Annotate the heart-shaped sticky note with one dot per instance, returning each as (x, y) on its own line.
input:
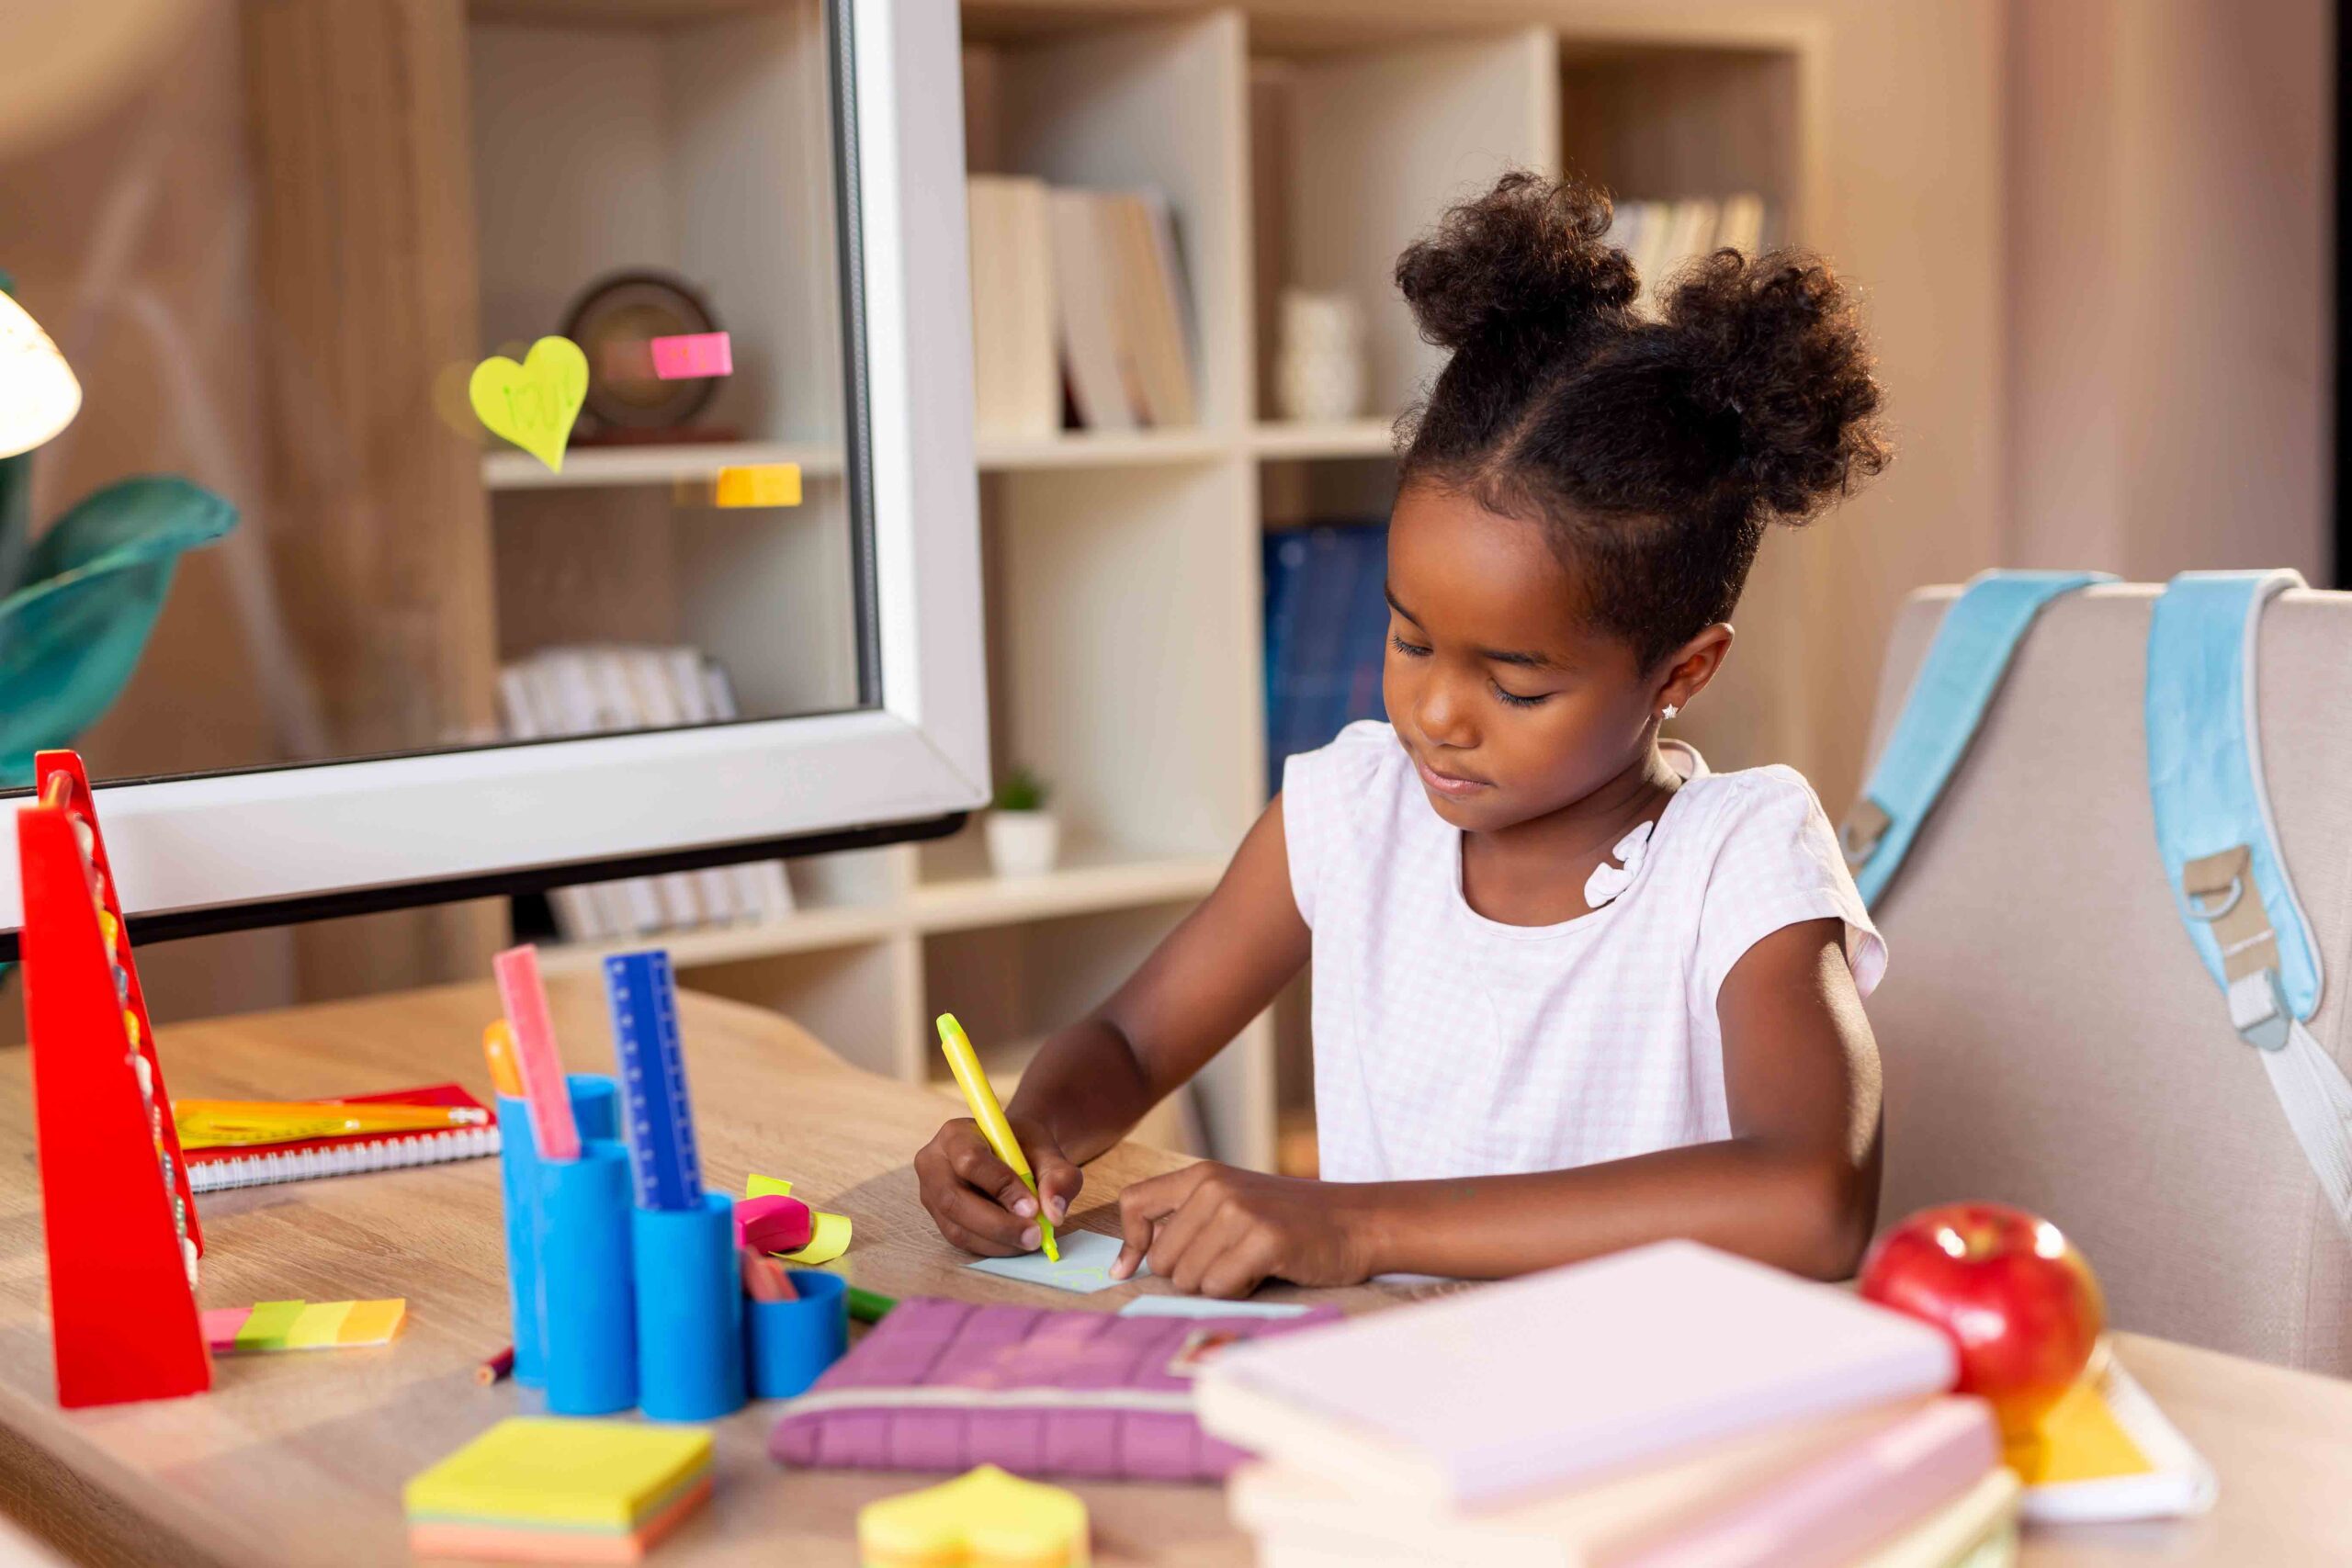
(532, 404)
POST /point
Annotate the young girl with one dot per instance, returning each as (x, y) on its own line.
(1572, 991)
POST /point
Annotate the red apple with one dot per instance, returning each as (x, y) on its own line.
(2016, 1298)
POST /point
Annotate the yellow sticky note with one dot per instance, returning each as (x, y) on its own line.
(320, 1324)
(604, 1476)
(984, 1518)
(759, 484)
(829, 1236)
(532, 404)
(828, 1239)
(2080, 1440)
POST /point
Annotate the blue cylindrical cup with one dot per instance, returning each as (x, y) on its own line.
(595, 1103)
(582, 1210)
(790, 1343)
(689, 1310)
(595, 1107)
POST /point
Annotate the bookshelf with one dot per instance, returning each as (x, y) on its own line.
(1298, 144)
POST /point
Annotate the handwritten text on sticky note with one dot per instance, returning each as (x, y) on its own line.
(532, 404)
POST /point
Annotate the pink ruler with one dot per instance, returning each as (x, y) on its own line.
(544, 1089)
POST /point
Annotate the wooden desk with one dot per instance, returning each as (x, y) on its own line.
(299, 1459)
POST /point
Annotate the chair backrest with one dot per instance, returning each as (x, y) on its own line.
(2051, 1039)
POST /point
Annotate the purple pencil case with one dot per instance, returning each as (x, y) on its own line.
(944, 1385)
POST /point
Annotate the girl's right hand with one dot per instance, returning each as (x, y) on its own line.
(975, 1198)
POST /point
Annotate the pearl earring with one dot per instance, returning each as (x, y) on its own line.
(1669, 711)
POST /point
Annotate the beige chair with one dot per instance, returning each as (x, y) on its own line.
(2051, 1039)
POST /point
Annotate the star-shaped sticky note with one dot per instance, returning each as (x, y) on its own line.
(982, 1519)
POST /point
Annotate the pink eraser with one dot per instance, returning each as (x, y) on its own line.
(692, 355)
(774, 1223)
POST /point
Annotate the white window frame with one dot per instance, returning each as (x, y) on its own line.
(296, 833)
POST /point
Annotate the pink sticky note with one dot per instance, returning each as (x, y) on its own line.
(544, 1089)
(692, 355)
(220, 1326)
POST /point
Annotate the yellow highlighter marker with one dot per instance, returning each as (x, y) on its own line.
(965, 1063)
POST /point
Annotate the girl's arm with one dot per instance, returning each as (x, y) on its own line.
(1796, 1184)
(1090, 1083)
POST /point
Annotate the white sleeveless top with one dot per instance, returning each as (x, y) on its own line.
(1450, 1045)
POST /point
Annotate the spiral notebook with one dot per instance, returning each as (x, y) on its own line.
(261, 1165)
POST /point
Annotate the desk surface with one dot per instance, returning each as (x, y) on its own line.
(299, 1459)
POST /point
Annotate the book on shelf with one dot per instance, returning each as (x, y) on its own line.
(1327, 635)
(1082, 293)
(1016, 370)
(604, 689)
(1669, 1406)
(1662, 237)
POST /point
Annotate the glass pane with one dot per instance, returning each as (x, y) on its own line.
(274, 267)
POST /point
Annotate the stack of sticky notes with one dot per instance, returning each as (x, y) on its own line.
(1667, 1408)
(303, 1325)
(541, 1489)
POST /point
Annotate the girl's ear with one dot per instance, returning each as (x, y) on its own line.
(1691, 667)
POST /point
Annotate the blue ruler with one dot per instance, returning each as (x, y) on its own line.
(656, 1115)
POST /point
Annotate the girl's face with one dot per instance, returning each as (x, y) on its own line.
(1509, 703)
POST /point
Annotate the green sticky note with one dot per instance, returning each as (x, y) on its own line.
(271, 1324)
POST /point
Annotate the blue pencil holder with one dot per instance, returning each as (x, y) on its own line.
(791, 1343)
(582, 1210)
(689, 1310)
(596, 1105)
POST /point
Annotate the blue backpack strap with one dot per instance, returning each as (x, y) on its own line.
(1946, 701)
(2212, 805)
(2223, 858)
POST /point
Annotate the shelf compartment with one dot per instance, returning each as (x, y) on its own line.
(1371, 437)
(594, 468)
(1104, 449)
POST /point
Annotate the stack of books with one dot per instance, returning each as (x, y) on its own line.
(1665, 1407)
(606, 689)
(1078, 311)
(1661, 237)
(539, 1489)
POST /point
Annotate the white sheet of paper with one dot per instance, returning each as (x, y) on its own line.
(1203, 1306)
(1085, 1268)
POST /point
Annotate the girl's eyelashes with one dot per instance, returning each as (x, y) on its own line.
(1515, 700)
(1409, 649)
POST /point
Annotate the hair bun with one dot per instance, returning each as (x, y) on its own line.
(1772, 354)
(1525, 260)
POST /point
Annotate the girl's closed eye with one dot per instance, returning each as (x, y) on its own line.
(1516, 700)
(1409, 649)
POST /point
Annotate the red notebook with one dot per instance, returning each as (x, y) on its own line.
(259, 1164)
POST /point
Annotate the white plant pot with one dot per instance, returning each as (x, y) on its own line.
(1023, 843)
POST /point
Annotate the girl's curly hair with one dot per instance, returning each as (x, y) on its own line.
(1656, 451)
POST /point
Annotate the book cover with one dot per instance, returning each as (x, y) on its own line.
(1086, 328)
(1568, 1374)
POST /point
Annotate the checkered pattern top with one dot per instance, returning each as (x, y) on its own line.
(1450, 1045)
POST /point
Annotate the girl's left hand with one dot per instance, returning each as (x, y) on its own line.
(1217, 1230)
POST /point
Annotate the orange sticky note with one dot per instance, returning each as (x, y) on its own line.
(759, 484)
(373, 1323)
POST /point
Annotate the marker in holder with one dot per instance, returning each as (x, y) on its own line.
(689, 1310)
(582, 1210)
(789, 1344)
(595, 1104)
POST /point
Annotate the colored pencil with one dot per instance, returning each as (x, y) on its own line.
(869, 1306)
(497, 1369)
